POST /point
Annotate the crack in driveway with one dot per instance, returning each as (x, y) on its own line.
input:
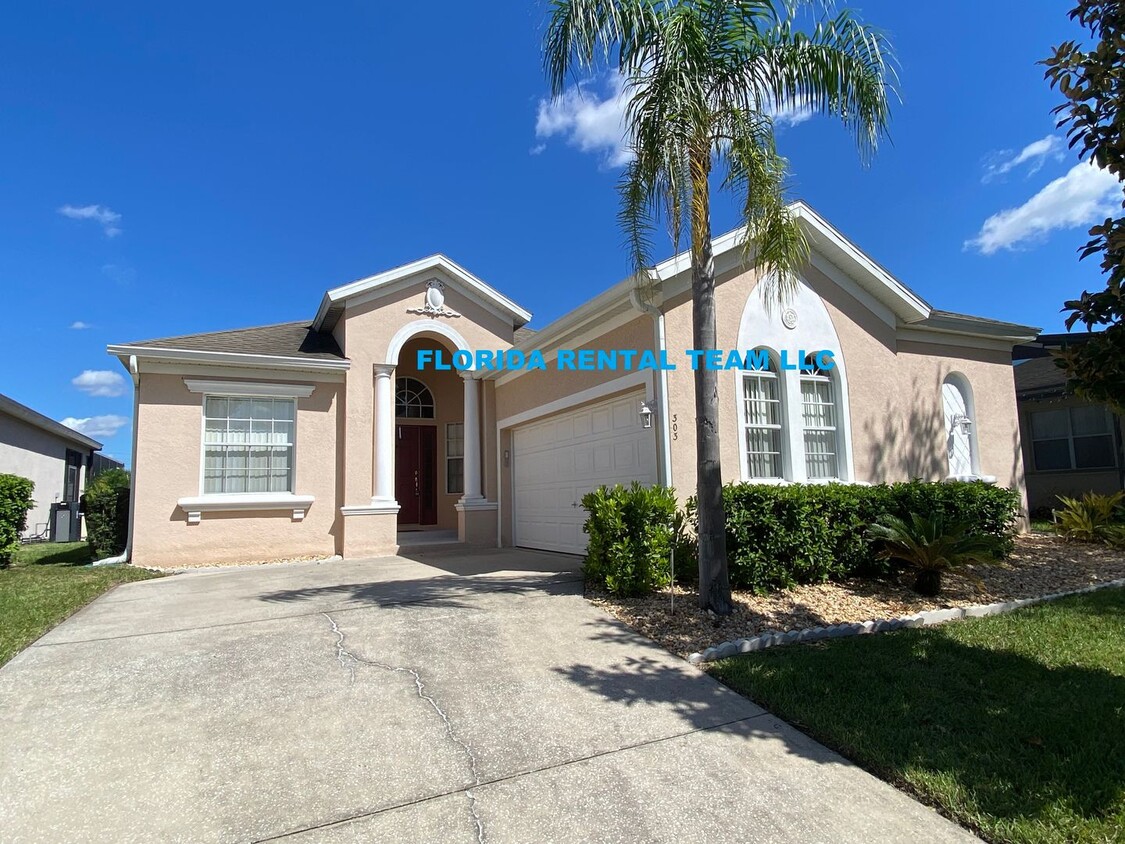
(349, 660)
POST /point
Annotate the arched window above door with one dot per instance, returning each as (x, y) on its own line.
(413, 399)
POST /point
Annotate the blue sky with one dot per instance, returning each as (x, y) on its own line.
(194, 167)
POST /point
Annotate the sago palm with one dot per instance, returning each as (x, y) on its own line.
(931, 546)
(702, 80)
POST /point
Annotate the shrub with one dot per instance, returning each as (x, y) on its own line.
(631, 534)
(15, 501)
(106, 505)
(781, 536)
(1093, 518)
(931, 546)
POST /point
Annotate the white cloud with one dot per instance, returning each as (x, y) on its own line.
(97, 426)
(100, 382)
(793, 114)
(1085, 195)
(590, 121)
(79, 325)
(1035, 155)
(107, 218)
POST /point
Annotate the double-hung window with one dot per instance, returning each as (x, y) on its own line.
(818, 416)
(248, 444)
(1072, 438)
(761, 420)
(455, 457)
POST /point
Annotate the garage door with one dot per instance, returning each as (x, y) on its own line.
(557, 461)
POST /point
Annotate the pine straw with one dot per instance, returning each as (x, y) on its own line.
(1040, 565)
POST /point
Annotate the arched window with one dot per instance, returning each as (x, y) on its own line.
(413, 399)
(820, 421)
(762, 415)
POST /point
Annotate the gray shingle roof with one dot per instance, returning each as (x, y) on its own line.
(1039, 376)
(522, 334)
(288, 339)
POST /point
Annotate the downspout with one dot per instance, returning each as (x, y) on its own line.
(641, 303)
(123, 557)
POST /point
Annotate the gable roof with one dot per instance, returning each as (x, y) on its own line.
(45, 423)
(332, 305)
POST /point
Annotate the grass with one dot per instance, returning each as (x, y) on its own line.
(1042, 526)
(45, 584)
(1013, 725)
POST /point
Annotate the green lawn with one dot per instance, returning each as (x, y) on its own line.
(46, 583)
(1013, 725)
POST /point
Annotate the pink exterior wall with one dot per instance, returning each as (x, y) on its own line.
(169, 431)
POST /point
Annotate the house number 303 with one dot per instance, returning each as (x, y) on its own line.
(675, 427)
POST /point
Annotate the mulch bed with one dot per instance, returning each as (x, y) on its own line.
(1041, 564)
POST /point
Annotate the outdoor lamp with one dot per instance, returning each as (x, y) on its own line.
(646, 415)
(960, 420)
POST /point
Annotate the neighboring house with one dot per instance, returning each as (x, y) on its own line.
(1070, 446)
(55, 457)
(323, 436)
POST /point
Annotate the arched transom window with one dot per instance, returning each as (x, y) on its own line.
(761, 419)
(818, 417)
(413, 399)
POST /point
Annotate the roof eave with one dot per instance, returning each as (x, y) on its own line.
(228, 358)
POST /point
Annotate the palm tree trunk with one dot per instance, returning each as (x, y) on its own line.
(714, 580)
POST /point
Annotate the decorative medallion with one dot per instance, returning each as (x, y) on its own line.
(789, 318)
(434, 302)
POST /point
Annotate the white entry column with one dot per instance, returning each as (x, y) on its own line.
(384, 435)
(472, 439)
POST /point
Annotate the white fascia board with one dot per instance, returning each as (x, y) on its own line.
(907, 305)
(454, 270)
(961, 339)
(234, 358)
(575, 321)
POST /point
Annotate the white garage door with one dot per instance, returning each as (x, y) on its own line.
(557, 461)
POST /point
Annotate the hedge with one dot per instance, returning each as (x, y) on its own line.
(631, 534)
(781, 536)
(106, 505)
(15, 502)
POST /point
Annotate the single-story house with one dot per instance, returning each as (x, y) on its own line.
(56, 458)
(326, 436)
(1070, 446)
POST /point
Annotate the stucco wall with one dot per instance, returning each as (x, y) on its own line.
(169, 431)
(896, 415)
(35, 454)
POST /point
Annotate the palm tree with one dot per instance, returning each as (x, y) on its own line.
(930, 546)
(703, 78)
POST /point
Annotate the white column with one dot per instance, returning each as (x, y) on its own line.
(472, 438)
(384, 435)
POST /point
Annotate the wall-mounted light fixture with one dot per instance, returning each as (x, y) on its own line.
(961, 421)
(646, 414)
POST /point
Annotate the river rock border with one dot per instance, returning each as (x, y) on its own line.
(928, 618)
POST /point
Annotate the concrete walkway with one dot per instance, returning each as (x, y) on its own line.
(474, 698)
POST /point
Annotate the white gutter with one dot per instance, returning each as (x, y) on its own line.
(123, 557)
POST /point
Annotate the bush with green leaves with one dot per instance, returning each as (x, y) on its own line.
(15, 502)
(1092, 518)
(931, 546)
(782, 536)
(632, 531)
(106, 505)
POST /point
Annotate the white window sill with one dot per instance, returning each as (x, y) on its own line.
(988, 479)
(196, 506)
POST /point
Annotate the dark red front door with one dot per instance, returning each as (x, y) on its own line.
(416, 474)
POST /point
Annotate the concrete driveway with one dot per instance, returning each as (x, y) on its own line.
(473, 698)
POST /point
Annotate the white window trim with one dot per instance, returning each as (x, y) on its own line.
(445, 449)
(258, 389)
(834, 393)
(195, 506)
(744, 424)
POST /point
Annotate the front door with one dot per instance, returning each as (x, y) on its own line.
(416, 474)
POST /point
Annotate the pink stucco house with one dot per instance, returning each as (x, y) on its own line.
(323, 437)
